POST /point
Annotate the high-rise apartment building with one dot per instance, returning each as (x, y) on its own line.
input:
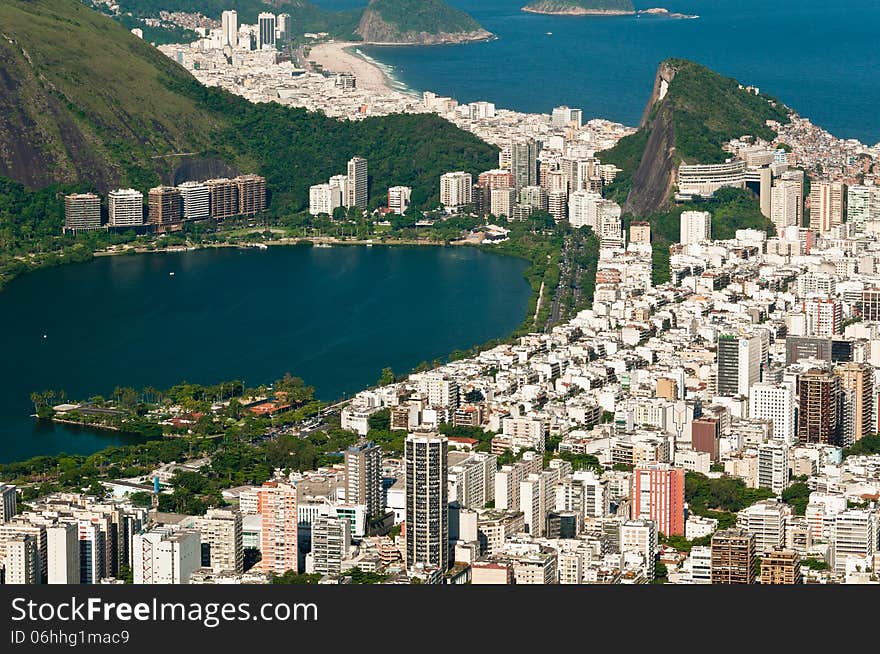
(126, 208)
(331, 539)
(196, 199)
(695, 226)
(455, 189)
(640, 537)
(251, 194)
(363, 477)
(827, 205)
(166, 555)
(229, 26)
(859, 378)
(565, 116)
(82, 212)
(524, 162)
(221, 540)
(765, 520)
(862, 205)
(706, 436)
(502, 202)
(773, 466)
(739, 364)
(357, 184)
(266, 25)
(224, 198)
(22, 564)
(557, 205)
(733, 557)
(785, 201)
(823, 316)
(277, 506)
(853, 536)
(8, 502)
(658, 495)
(774, 402)
(819, 412)
(164, 206)
(283, 26)
(399, 199)
(534, 197)
(324, 199)
(427, 506)
(62, 553)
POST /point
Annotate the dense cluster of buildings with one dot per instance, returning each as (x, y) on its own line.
(167, 207)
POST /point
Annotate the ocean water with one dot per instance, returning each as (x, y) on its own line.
(334, 316)
(821, 57)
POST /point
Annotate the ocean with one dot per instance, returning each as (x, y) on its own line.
(820, 57)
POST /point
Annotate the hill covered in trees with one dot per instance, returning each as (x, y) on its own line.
(86, 105)
(580, 7)
(417, 21)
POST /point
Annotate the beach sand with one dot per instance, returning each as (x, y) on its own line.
(333, 57)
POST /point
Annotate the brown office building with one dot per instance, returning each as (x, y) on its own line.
(781, 566)
(733, 557)
(667, 388)
(706, 437)
(819, 394)
(857, 377)
(224, 198)
(165, 207)
(251, 194)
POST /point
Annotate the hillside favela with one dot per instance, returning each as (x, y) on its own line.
(356, 293)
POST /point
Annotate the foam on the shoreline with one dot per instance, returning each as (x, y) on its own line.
(387, 71)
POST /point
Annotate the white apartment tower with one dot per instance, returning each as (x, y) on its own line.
(229, 26)
(126, 208)
(331, 539)
(399, 199)
(62, 553)
(776, 403)
(221, 540)
(324, 199)
(8, 502)
(196, 200)
(357, 183)
(827, 205)
(165, 555)
(695, 226)
(785, 200)
(456, 189)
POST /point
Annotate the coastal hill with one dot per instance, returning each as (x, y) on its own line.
(692, 113)
(423, 22)
(581, 7)
(84, 101)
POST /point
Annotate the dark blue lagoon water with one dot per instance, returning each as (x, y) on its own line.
(333, 316)
(821, 57)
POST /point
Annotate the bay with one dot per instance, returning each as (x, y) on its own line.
(819, 57)
(334, 316)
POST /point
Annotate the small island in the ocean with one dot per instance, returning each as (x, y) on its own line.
(596, 8)
(417, 22)
(581, 7)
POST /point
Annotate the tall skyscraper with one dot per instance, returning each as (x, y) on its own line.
(739, 363)
(695, 226)
(427, 506)
(733, 557)
(62, 553)
(827, 205)
(363, 477)
(82, 212)
(858, 377)
(357, 183)
(166, 555)
(455, 189)
(658, 495)
(229, 25)
(774, 402)
(276, 504)
(126, 208)
(283, 27)
(524, 162)
(221, 540)
(819, 412)
(266, 23)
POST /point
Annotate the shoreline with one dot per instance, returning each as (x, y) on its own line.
(373, 76)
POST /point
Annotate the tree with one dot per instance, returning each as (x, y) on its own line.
(387, 377)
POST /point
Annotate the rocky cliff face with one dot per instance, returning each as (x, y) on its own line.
(653, 180)
(375, 29)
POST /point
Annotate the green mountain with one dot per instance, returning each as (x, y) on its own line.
(85, 104)
(580, 7)
(692, 113)
(417, 21)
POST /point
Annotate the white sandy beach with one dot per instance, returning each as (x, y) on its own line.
(333, 57)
